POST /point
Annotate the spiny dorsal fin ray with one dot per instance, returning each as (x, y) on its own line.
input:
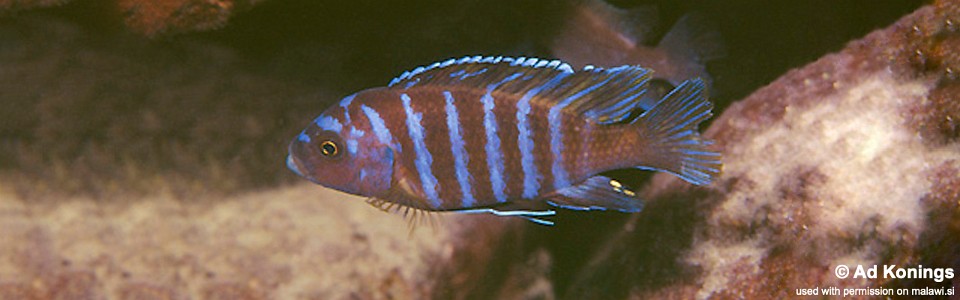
(601, 95)
(458, 71)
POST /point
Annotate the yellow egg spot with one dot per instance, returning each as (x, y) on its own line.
(615, 184)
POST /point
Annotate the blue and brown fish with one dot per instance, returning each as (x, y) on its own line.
(508, 136)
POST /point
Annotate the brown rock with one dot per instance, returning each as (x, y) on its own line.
(172, 16)
(849, 160)
(13, 5)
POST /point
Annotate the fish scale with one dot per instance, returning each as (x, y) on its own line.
(504, 135)
(437, 135)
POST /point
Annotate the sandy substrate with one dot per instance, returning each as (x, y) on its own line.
(299, 242)
(113, 182)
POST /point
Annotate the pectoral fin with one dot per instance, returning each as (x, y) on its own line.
(403, 194)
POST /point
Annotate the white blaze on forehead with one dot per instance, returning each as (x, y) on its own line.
(871, 172)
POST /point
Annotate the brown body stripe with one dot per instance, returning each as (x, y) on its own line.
(430, 103)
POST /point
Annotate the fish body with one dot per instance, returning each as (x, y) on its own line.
(597, 33)
(501, 135)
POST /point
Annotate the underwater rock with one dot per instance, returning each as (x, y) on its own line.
(153, 17)
(287, 243)
(183, 117)
(15, 5)
(158, 138)
(852, 159)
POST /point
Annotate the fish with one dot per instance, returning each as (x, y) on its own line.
(599, 34)
(510, 136)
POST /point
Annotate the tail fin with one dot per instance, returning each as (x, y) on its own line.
(671, 130)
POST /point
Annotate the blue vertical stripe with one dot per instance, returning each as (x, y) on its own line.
(492, 147)
(351, 139)
(460, 157)
(379, 128)
(531, 180)
(354, 132)
(303, 137)
(345, 104)
(560, 177)
(347, 101)
(329, 123)
(423, 160)
(352, 144)
(531, 176)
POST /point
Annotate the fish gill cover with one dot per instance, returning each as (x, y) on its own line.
(137, 167)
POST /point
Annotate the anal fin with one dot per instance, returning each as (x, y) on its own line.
(597, 193)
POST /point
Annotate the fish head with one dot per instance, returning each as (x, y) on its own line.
(339, 154)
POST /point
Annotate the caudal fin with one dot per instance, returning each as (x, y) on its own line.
(674, 144)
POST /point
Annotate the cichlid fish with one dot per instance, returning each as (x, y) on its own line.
(597, 33)
(508, 136)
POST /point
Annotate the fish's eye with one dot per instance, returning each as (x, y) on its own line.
(329, 148)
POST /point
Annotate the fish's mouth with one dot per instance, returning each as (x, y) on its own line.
(293, 166)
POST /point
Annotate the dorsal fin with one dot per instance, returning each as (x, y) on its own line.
(458, 71)
(601, 95)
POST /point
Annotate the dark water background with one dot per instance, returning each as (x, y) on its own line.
(88, 107)
(83, 94)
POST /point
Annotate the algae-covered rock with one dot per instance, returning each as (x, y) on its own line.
(850, 160)
(138, 168)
